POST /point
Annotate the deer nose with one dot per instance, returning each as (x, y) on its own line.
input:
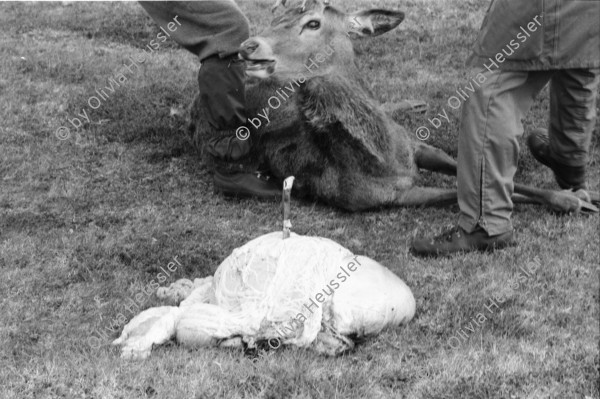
(249, 46)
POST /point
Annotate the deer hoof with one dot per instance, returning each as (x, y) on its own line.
(587, 207)
(590, 196)
(566, 202)
(586, 203)
(585, 195)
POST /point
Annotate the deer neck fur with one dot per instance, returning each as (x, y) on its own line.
(333, 102)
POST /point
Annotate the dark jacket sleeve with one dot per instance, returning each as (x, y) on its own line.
(539, 35)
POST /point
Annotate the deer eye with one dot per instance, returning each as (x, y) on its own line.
(314, 24)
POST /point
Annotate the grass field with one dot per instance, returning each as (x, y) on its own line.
(86, 222)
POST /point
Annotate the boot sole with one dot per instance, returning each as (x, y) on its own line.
(489, 248)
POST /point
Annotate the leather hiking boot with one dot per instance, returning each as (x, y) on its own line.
(458, 240)
(567, 177)
(246, 185)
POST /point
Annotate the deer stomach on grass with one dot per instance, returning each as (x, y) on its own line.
(304, 291)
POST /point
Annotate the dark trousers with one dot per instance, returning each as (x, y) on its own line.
(213, 30)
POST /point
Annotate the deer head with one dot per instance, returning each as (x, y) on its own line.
(314, 39)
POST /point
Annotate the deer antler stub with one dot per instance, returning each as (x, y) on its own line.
(302, 6)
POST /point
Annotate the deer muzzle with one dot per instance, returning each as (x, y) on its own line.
(259, 58)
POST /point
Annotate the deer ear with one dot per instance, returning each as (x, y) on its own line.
(373, 22)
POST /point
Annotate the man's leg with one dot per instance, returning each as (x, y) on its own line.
(573, 96)
(206, 28)
(214, 30)
(487, 161)
(488, 150)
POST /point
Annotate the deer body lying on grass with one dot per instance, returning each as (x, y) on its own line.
(315, 119)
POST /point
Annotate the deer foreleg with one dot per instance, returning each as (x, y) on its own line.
(560, 201)
(431, 158)
(426, 196)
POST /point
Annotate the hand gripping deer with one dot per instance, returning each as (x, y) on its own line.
(312, 117)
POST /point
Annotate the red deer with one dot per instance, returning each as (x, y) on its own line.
(314, 118)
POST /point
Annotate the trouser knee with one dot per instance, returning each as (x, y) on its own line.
(222, 93)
